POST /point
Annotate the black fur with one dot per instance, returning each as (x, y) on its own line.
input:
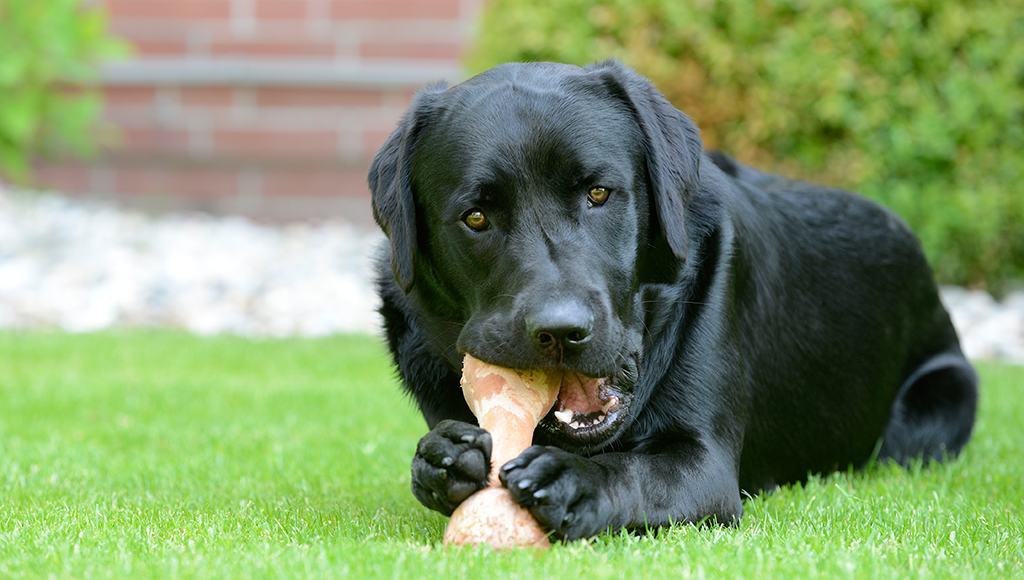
(755, 329)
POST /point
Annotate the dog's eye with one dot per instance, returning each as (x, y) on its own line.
(476, 220)
(598, 195)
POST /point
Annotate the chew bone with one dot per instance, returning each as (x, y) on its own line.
(508, 404)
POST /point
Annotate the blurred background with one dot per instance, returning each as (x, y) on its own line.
(266, 108)
(201, 163)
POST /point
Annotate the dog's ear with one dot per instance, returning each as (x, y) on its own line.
(390, 178)
(673, 148)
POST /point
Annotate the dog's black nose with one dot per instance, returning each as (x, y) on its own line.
(560, 327)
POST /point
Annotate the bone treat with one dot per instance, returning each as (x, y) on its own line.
(508, 404)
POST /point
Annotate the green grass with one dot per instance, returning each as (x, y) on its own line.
(160, 455)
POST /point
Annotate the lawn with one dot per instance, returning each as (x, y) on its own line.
(160, 455)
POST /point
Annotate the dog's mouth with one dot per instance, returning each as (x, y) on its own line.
(589, 410)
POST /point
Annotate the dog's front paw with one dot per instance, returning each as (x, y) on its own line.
(563, 491)
(451, 463)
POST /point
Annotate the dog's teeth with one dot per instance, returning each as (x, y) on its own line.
(575, 421)
(608, 404)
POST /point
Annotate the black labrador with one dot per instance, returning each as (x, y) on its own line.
(722, 330)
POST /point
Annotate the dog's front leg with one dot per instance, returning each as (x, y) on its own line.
(578, 497)
(452, 462)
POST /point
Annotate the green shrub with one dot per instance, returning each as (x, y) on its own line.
(916, 103)
(48, 52)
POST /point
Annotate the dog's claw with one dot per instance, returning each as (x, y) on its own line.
(514, 464)
(451, 463)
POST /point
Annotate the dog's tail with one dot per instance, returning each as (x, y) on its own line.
(933, 414)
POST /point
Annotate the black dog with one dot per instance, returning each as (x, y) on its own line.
(722, 330)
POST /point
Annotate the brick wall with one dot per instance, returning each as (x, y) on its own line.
(270, 108)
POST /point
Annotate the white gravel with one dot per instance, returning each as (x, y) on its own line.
(85, 266)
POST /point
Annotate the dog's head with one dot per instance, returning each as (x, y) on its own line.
(525, 208)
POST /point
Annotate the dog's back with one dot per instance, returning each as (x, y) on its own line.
(897, 333)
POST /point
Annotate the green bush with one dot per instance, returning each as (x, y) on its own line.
(916, 103)
(48, 53)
